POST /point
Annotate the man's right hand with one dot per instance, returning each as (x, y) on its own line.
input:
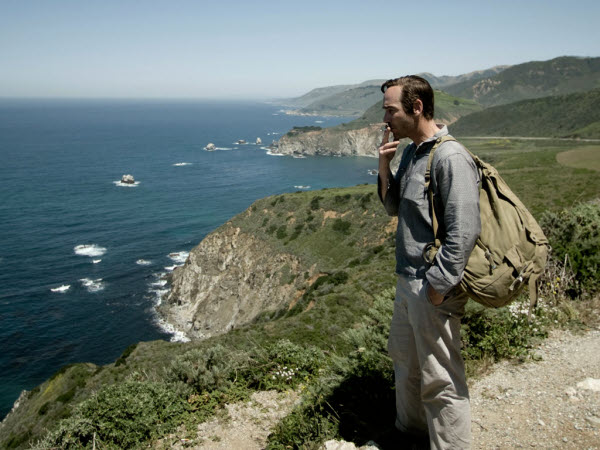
(387, 150)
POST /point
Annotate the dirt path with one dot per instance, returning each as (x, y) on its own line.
(551, 403)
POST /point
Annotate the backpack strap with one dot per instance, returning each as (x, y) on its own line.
(432, 248)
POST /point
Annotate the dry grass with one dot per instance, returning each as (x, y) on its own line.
(581, 158)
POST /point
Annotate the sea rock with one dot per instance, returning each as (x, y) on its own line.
(258, 141)
(229, 279)
(241, 141)
(210, 147)
(127, 179)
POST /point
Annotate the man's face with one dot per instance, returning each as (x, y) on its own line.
(401, 123)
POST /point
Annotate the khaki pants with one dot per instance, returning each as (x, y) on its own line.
(431, 390)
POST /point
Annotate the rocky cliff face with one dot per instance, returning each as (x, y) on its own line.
(360, 142)
(228, 280)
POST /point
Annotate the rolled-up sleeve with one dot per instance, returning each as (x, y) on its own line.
(392, 197)
(458, 189)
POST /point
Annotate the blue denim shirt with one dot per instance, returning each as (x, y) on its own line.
(455, 182)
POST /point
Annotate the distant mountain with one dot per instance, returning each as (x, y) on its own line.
(570, 115)
(447, 80)
(315, 95)
(354, 99)
(532, 80)
(351, 102)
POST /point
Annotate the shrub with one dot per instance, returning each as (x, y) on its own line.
(123, 415)
(575, 232)
(284, 364)
(314, 203)
(342, 226)
(281, 232)
(205, 369)
(123, 358)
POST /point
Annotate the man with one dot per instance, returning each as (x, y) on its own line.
(431, 390)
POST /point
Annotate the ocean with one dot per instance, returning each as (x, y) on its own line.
(82, 256)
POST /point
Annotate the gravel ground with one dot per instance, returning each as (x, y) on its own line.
(550, 403)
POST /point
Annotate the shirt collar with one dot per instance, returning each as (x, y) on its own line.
(443, 131)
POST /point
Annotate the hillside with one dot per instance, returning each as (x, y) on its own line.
(320, 265)
(534, 79)
(573, 115)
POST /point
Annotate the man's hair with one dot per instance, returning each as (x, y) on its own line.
(413, 88)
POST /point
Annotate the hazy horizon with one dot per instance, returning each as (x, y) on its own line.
(269, 50)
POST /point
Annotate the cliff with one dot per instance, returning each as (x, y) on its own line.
(263, 262)
(229, 279)
(333, 142)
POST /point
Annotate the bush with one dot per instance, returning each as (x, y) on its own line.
(123, 415)
(575, 233)
(207, 369)
(314, 203)
(342, 226)
(281, 232)
(284, 364)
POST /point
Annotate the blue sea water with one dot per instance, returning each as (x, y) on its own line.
(64, 221)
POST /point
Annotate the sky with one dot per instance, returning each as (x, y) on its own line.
(182, 49)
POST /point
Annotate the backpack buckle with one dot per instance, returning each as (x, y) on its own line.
(429, 252)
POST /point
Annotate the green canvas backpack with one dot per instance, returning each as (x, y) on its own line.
(511, 250)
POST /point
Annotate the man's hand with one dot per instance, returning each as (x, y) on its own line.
(435, 298)
(387, 150)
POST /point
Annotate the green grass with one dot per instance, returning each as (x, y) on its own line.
(532, 171)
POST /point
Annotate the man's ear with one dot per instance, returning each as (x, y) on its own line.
(417, 107)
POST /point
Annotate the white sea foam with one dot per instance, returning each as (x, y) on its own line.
(121, 184)
(92, 285)
(275, 114)
(96, 261)
(273, 133)
(318, 121)
(159, 283)
(172, 268)
(179, 257)
(61, 289)
(299, 156)
(182, 164)
(224, 148)
(90, 250)
(269, 152)
(302, 187)
(176, 335)
(143, 262)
